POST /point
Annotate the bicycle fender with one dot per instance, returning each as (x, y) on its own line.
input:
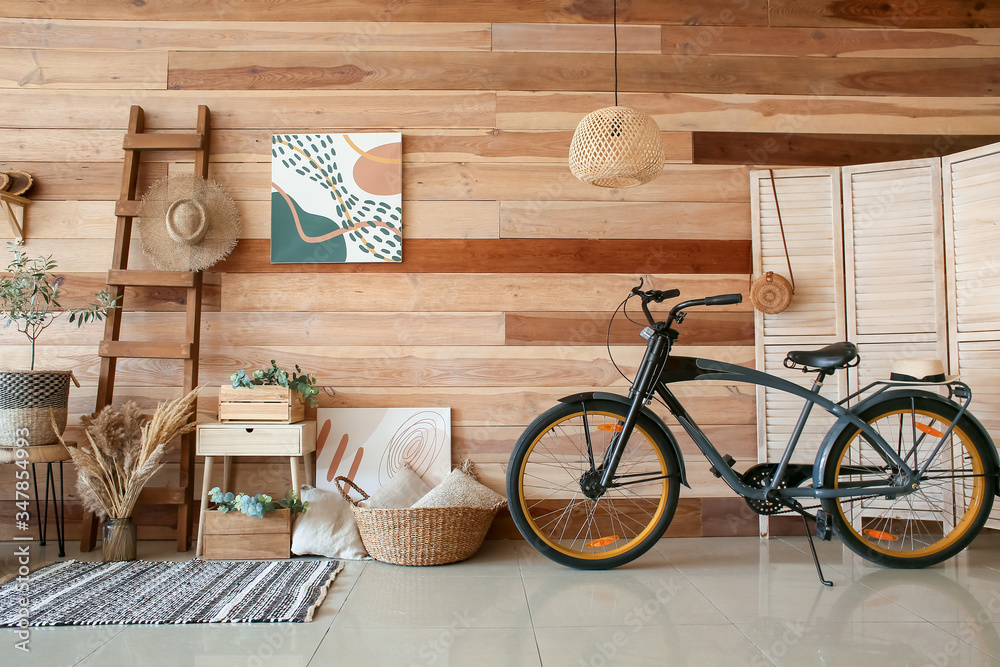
(600, 395)
(823, 455)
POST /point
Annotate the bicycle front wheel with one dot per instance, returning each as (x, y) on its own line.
(556, 457)
(945, 512)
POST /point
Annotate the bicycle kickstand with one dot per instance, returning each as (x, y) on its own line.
(812, 547)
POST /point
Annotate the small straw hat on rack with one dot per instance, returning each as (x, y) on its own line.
(187, 223)
(15, 182)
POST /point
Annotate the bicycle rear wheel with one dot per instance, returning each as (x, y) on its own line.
(949, 507)
(549, 465)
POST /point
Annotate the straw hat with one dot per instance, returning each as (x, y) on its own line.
(15, 182)
(187, 223)
(920, 370)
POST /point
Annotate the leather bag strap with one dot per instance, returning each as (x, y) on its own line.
(781, 226)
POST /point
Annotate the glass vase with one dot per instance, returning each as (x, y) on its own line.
(118, 539)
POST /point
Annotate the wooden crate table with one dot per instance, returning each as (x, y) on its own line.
(260, 404)
(235, 536)
(296, 441)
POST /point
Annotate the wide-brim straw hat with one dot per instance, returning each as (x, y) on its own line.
(920, 370)
(187, 223)
(15, 182)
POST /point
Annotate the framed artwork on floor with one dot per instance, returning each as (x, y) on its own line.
(368, 445)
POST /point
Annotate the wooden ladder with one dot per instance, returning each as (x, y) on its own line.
(120, 277)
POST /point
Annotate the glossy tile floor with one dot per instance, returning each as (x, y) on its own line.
(708, 601)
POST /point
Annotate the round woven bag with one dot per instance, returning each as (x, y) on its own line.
(28, 399)
(771, 293)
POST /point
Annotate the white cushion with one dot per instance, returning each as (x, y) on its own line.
(460, 489)
(328, 527)
(404, 489)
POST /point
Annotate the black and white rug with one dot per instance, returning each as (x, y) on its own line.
(141, 592)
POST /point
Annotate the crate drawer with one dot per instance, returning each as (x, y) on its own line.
(256, 439)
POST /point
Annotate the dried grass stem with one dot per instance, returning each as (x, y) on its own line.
(122, 452)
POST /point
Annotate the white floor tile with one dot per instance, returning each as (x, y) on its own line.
(633, 598)
(697, 601)
(210, 645)
(456, 644)
(797, 596)
(801, 644)
(647, 646)
(979, 632)
(396, 596)
(55, 647)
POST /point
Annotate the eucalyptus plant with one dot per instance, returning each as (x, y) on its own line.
(29, 297)
(303, 383)
(256, 506)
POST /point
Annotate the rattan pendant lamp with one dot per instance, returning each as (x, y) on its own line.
(616, 147)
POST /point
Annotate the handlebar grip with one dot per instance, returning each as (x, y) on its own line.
(663, 295)
(723, 299)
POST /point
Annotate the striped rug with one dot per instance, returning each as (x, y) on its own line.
(140, 592)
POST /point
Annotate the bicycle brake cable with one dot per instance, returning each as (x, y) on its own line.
(624, 308)
(607, 339)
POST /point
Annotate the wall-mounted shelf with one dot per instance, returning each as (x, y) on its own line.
(13, 207)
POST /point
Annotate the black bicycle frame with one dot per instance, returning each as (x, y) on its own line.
(658, 369)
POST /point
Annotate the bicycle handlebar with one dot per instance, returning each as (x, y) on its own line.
(657, 296)
(723, 299)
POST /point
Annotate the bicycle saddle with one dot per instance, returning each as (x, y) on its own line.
(827, 358)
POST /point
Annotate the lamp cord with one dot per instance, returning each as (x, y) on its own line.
(615, 24)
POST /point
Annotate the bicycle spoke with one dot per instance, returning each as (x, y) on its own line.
(559, 463)
(931, 521)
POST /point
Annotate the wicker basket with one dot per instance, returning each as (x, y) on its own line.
(420, 535)
(29, 402)
(771, 293)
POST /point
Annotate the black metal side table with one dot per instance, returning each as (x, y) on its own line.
(47, 454)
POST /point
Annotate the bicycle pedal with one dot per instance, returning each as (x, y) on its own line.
(823, 529)
(730, 461)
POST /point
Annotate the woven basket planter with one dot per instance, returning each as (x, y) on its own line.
(420, 535)
(28, 402)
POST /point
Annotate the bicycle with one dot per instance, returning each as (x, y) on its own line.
(905, 477)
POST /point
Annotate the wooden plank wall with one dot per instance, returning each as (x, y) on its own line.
(511, 266)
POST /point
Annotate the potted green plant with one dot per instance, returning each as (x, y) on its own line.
(257, 505)
(273, 399)
(29, 301)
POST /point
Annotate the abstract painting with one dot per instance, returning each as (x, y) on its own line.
(368, 445)
(336, 198)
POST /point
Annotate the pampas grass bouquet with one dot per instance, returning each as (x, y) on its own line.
(121, 454)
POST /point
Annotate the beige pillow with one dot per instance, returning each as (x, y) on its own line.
(404, 489)
(328, 527)
(460, 489)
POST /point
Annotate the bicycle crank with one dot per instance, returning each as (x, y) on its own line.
(760, 476)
